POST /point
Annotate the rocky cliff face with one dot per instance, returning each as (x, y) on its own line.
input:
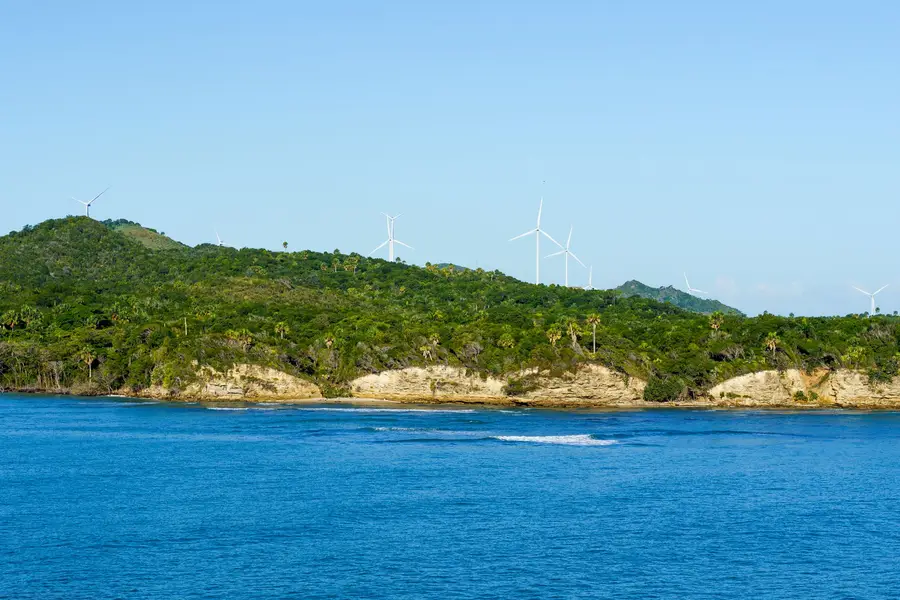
(438, 383)
(795, 388)
(591, 385)
(242, 382)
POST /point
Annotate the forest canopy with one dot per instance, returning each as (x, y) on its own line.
(107, 307)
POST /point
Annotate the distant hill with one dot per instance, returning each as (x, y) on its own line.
(677, 297)
(150, 238)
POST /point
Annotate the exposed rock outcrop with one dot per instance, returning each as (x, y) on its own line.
(592, 385)
(843, 388)
(437, 383)
(241, 382)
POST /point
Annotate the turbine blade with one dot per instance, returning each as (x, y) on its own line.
(569, 241)
(686, 282)
(540, 210)
(402, 244)
(880, 289)
(577, 259)
(524, 234)
(100, 194)
(549, 237)
(555, 254)
(379, 247)
(861, 291)
(699, 291)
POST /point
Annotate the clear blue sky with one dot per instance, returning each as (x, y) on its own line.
(754, 144)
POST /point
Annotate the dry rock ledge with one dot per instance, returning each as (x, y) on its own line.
(597, 386)
(241, 383)
(590, 386)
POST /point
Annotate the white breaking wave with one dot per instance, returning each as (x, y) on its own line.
(226, 408)
(565, 440)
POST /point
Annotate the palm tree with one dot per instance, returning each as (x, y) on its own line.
(594, 320)
(772, 342)
(572, 330)
(10, 319)
(281, 328)
(284, 245)
(87, 357)
(716, 320)
(554, 334)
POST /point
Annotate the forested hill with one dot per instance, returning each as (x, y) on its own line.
(92, 308)
(677, 297)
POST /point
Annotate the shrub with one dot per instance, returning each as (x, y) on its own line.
(663, 389)
(519, 387)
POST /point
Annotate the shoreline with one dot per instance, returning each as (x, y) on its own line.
(484, 403)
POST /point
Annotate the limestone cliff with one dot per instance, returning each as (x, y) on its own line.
(795, 388)
(241, 382)
(591, 385)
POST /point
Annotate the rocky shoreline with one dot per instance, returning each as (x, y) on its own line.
(592, 386)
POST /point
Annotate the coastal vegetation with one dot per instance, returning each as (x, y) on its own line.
(93, 307)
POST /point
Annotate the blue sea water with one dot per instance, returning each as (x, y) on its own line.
(110, 498)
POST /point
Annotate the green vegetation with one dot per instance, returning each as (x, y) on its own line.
(90, 307)
(148, 237)
(676, 297)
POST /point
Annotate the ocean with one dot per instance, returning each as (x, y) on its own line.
(113, 498)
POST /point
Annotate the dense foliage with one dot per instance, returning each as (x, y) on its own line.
(677, 297)
(86, 307)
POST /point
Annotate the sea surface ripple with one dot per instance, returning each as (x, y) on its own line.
(111, 498)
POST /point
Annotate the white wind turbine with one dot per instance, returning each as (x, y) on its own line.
(391, 239)
(590, 284)
(537, 232)
(871, 296)
(691, 290)
(87, 205)
(218, 239)
(567, 252)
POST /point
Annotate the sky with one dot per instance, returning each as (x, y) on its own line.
(754, 145)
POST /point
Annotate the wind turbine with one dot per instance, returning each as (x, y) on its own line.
(391, 239)
(218, 239)
(590, 285)
(871, 296)
(568, 253)
(87, 205)
(691, 290)
(538, 232)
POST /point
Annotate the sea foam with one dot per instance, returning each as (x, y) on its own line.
(564, 440)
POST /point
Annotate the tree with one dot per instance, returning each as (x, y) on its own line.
(716, 320)
(594, 320)
(87, 357)
(554, 334)
(572, 330)
(10, 319)
(506, 341)
(282, 328)
(772, 342)
(284, 245)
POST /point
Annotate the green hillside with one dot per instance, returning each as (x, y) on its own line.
(91, 307)
(148, 237)
(677, 297)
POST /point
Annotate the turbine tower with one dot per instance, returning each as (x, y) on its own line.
(391, 239)
(871, 296)
(537, 232)
(87, 205)
(568, 253)
(691, 290)
(590, 284)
